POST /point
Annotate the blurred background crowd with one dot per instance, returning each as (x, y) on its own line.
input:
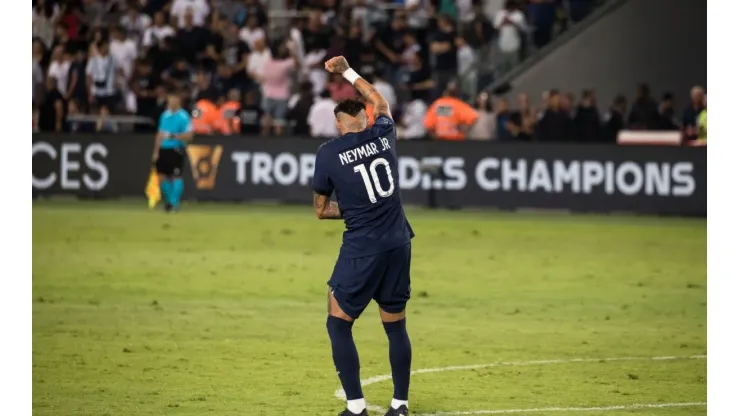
(255, 67)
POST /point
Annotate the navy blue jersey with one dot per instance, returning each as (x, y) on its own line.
(362, 168)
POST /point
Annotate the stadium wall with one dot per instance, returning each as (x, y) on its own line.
(658, 42)
(509, 176)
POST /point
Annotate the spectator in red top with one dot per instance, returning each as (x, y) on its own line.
(339, 88)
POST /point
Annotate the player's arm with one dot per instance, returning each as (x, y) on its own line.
(325, 208)
(187, 134)
(339, 65)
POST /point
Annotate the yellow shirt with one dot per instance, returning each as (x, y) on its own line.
(701, 125)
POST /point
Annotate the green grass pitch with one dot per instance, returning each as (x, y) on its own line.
(220, 310)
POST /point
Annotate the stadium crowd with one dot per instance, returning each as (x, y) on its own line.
(248, 67)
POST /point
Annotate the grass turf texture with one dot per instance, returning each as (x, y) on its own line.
(221, 310)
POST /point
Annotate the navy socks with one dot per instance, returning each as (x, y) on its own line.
(346, 360)
(399, 347)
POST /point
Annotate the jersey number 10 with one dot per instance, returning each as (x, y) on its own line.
(376, 181)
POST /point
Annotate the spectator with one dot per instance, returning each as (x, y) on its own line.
(298, 114)
(443, 49)
(135, 23)
(543, 14)
(224, 80)
(296, 35)
(316, 35)
(257, 60)
(204, 90)
(480, 30)
(644, 113)
(466, 69)
(692, 112)
(74, 126)
(615, 120)
(123, 50)
(276, 88)
(667, 114)
(45, 15)
(413, 120)
(368, 64)
(701, 122)
(485, 127)
(252, 33)
(449, 117)
(339, 88)
(250, 8)
(411, 49)
(321, 117)
(385, 89)
(61, 37)
(143, 87)
(191, 38)
(503, 112)
(420, 83)
(101, 77)
(390, 45)
(235, 53)
(197, 9)
(157, 32)
(555, 125)
(77, 81)
(514, 128)
(179, 76)
(354, 44)
(313, 69)
(251, 114)
(587, 121)
(163, 55)
(418, 17)
(61, 61)
(527, 114)
(104, 124)
(52, 111)
(566, 103)
(510, 22)
(228, 120)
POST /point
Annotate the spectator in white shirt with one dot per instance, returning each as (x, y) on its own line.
(321, 117)
(101, 76)
(313, 68)
(385, 89)
(466, 69)
(511, 23)
(135, 22)
(252, 32)
(124, 51)
(257, 60)
(59, 68)
(200, 10)
(158, 31)
(413, 120)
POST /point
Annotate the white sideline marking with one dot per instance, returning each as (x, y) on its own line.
(569, 409)
(339, 394)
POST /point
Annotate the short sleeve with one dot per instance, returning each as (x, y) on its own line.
(321, 182)
(383, 126)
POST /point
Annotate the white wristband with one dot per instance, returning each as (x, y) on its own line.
(351, 76)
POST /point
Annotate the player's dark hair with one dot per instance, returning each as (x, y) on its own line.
(349, 106)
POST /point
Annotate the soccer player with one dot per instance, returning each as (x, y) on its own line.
(374, 262)
(175, 131)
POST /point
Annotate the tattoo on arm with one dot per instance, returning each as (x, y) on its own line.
(325, 208)
(380, 105)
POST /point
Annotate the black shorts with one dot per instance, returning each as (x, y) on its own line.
(385, 277)
(170, 161)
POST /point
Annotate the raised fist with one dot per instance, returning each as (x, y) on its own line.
(336, 65)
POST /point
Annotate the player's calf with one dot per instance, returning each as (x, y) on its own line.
(399, 346)
(346, 359)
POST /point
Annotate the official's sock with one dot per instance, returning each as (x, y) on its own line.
(346, 360)
(178, 186)
(166, 189)
(399, 349)
(356, 406)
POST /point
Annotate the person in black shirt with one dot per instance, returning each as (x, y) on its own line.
(555, 124)
(299, 113)
(587, 121)
(209, 58)
(316, 35)
(389, 44)
(203, 88)
(666, 113)
(52, 111)
(191, 39)
(367, 65)
(514, 128)
(162, 56)
(251, 114)
(614, 120)
(144, 84)
(223, 80)
(420, 82)
(444, 52)
(644, 113)
(77, 80)
(179, 75)
(236, 56)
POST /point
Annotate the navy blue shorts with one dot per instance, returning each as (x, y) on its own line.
(384, 277)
